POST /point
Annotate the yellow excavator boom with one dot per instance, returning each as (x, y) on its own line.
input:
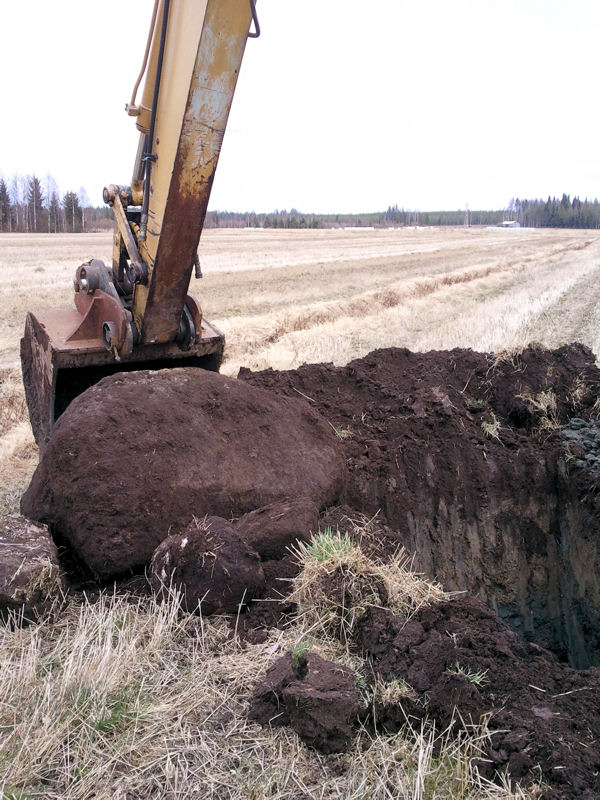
(137, 313)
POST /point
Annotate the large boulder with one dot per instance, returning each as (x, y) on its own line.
(210, 565)
(30, 575)
(141, 453)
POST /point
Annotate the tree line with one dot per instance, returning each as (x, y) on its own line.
(555, 213)
(393, 217)
(31, 205)
(550, 213)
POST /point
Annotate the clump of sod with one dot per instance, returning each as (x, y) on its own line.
(337, 583)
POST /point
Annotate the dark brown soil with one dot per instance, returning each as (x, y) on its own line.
(489, 472)
(315, 697)
(463, 468)
(458, 656)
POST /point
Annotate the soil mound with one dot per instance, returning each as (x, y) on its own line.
(461, 455)
(135, 457)
(458, 656)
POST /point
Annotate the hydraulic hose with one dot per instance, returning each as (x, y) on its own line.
(148, 157)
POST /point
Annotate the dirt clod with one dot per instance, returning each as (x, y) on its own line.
(317, 698)
(30, 575)
(210, 564)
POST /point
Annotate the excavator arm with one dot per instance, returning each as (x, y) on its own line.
(138, 314)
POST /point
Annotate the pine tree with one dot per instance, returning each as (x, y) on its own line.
(54, 218)
(72, 211)
(5, 207)
(35, 205)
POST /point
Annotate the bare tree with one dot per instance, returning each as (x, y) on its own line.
(84, 202)
(51, 207)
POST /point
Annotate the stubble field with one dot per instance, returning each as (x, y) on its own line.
(123, 700)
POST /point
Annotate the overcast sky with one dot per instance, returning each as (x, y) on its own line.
(341, 105)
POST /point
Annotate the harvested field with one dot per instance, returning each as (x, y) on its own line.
(483, 465)
(285, 297)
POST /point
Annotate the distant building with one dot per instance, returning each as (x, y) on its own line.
(510, 223)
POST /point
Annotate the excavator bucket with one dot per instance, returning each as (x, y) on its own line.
(60, 359)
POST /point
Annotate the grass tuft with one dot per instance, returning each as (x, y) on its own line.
(492, 428)
(327, 546)
(477, 678)
(338, 583)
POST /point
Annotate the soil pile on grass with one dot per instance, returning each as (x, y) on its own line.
(463, 664)
(461, 455)
(135, 457)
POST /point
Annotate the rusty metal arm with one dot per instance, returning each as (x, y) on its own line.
(202, 53)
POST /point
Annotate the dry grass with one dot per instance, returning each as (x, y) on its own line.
(18, 451)
(131, 700)
(123, 698)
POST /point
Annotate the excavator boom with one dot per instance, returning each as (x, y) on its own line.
(137, 313)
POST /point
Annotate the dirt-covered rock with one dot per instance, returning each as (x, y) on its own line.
(140, 453)
(463, 664)
(267, 706)
(210, 564)
(30, 574)
(272, 530)
(315, 697)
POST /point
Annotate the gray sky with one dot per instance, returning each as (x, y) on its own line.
(342, 105)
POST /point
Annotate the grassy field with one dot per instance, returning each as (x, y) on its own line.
(123, 675)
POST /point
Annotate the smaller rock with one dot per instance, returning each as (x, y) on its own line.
(271, 530)
(317, 698)
(30, 575)
(576, 423)
(576, 450)
(267, 705)
(210, 564)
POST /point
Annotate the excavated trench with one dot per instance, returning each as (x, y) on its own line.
(487, 470)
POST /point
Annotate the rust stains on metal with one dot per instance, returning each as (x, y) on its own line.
(57, 368)
(220, 51)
